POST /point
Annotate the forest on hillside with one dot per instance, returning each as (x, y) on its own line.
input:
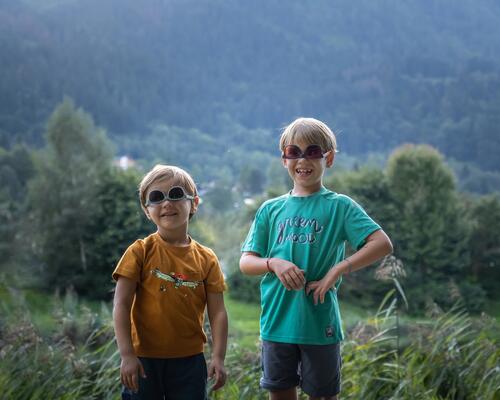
(219, 79)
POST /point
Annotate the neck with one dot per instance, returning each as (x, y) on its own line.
(305, 191)
(175, 239)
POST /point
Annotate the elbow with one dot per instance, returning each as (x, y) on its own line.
(246, 261)
(389, 248)
(384, 243)
(242, 264)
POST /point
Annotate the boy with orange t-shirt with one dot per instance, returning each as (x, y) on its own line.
(164, 283)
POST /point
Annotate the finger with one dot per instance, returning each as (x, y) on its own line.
(299, 279)
(315, 297)
(298, 274)
(135, 382)
(322, 297)
(210, 372)
(141, 370)
(310, 287)
(127, 381)
(221, 379)
(284, 281)
(302, 274)
(295, 283)
(217, 379)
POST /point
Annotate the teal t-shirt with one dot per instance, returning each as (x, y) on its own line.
(311, 232)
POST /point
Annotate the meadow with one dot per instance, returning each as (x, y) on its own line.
(60, 347)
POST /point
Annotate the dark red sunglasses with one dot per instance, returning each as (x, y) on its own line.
(312, 152)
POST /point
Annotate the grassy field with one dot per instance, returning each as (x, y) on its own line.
(69, 342)
(244, 320)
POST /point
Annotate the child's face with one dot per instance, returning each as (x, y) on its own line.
(307, 173)
(170, 216)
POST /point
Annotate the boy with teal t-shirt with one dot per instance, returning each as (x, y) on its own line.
(298, 242)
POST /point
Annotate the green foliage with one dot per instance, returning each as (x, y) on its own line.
(84, 212)
(252, 180)
(450, 356)
(244, 287)
(436, 234)
(77, 361)
(63, 192)
(484, 243)
(16, 168)
(431, 234)
(117, 220)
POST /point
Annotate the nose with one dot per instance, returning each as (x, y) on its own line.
(167, 203)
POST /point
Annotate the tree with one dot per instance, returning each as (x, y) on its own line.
(430, 234)
(484, 243)
(16, 168)
(116, 221)
(252, 180)
(70, 170)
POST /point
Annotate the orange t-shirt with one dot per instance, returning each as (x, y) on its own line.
(168, 308)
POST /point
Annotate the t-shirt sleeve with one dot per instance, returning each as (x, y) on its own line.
(358, 225)
(258, 235)
(214, 282)
(130, 265)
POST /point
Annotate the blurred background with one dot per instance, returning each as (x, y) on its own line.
(94, 93)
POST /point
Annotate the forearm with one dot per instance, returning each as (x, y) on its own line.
(377, 245)
(252, 264)
(219, 327)
(122, 325)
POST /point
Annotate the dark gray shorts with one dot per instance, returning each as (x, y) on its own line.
(315, 368)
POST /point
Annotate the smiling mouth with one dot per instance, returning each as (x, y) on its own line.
(168, 215)
(303, 171)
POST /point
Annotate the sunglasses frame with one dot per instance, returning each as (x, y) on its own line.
(302, 154)
(166, 196)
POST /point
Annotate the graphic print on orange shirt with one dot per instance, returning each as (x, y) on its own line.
(177, 279)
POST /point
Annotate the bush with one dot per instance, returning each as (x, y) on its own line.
(244, 287)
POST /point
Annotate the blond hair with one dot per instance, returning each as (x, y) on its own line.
(311, 131)
(162, 172)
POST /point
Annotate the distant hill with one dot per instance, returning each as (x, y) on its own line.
(380, 72)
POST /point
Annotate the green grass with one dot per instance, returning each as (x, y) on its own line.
(492, 308)
(243, 322)
(352, 314)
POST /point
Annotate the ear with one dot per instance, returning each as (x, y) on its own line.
(283, 162)
(194, 205)
(146, 212)
(330, 158)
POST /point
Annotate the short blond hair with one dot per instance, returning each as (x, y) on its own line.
(162, 172)
(311, 131)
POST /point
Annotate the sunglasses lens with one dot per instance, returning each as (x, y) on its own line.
(313, 152)
(292, 152)
(176, 193)
(156, 196)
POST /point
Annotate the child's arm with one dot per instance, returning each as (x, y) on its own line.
(130, 365)
(217, 316)
(291, 276)
(377, 245)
